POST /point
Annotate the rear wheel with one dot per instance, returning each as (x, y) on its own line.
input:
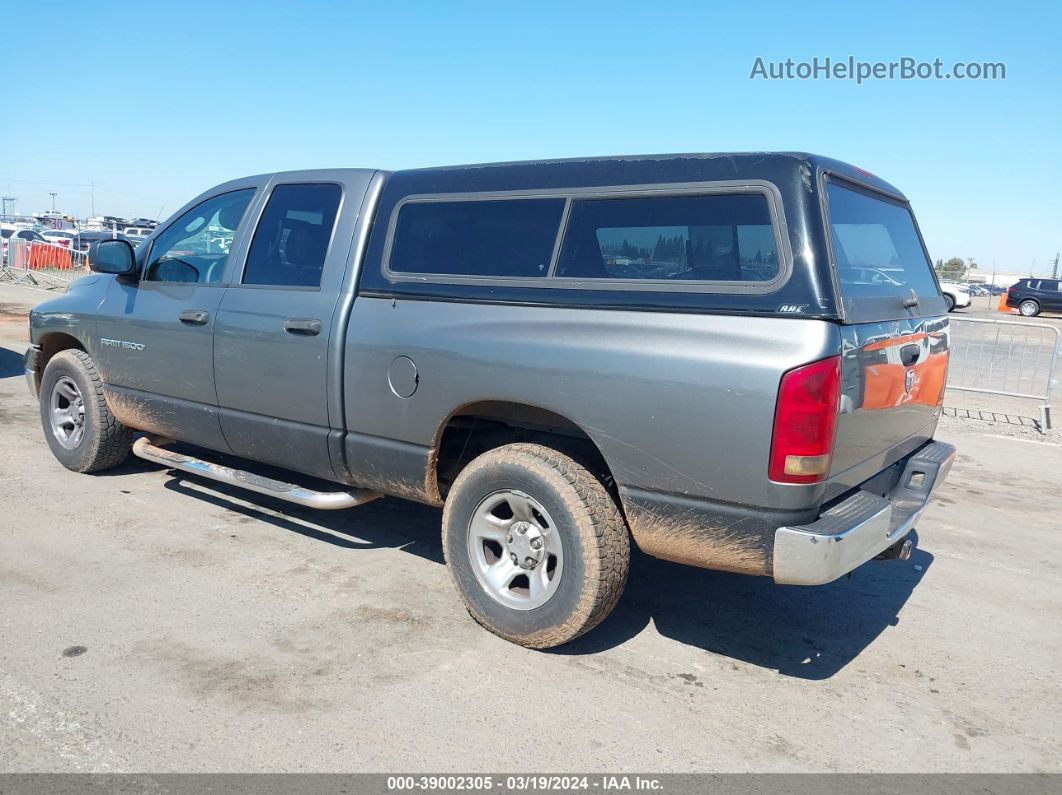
(535, 544)
(949, 301)
(1029, 308)
(81, 431)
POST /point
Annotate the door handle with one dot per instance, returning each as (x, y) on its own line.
(306, 326)
(908, 355)
(194, 317)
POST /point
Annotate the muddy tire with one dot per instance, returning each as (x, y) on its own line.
(536, 546)
(81, 431)
(1029, 308)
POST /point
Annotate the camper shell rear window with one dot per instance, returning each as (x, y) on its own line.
(880, 264)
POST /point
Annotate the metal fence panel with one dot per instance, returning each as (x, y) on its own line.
(44, 264)
(1004, 357)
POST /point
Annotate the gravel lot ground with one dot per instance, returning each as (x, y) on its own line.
(150, 622)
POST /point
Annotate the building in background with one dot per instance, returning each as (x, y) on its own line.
(1000, 278)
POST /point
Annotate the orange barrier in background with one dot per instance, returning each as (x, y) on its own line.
(1002, 305)
(46, 256)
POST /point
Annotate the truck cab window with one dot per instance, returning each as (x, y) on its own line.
(195, 247)
(291, 240)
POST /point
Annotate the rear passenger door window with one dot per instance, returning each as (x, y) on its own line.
(726, 237)
(293, 236)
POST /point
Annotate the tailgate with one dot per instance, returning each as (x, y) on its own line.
(892, 385)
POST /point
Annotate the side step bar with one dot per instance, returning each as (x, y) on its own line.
(326, 500)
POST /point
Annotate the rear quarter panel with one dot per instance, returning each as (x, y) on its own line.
(677, 403)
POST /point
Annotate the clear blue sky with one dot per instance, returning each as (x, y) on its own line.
(155, 104)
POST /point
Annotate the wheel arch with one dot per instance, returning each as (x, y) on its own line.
(478, 426)
(52, 343)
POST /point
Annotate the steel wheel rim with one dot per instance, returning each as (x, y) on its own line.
(66, 413)
(510, 523)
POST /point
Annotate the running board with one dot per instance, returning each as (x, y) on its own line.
(325, 500)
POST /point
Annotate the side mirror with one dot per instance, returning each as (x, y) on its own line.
(112, 256)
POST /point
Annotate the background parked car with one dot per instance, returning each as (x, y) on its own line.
(1031, 296)
(7, 231)
(60, 237)
(25, 234)
(83, 240)
(956, 295)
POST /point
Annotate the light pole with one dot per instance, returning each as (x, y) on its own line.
(53, 194)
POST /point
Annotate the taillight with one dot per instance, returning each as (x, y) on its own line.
(805, 422)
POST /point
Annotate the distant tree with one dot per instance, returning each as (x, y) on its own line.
(954, 268)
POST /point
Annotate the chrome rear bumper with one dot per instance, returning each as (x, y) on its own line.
(862, 526)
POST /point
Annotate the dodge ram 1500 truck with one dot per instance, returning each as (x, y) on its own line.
(736, 360)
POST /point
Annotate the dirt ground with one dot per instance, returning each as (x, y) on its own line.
(153, 622)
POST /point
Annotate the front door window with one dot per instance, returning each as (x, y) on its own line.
(195, 247)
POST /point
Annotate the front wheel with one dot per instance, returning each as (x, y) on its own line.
(949, 302)
(81, 431)
(1029, 308)
(535, 544)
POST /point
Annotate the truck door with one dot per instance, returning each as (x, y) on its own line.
(156, 334)
(275, 329)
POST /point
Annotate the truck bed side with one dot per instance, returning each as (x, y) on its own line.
(679, 405)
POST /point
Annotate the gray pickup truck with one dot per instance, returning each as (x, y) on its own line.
(738, 360)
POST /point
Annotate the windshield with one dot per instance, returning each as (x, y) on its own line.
(878, 255)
